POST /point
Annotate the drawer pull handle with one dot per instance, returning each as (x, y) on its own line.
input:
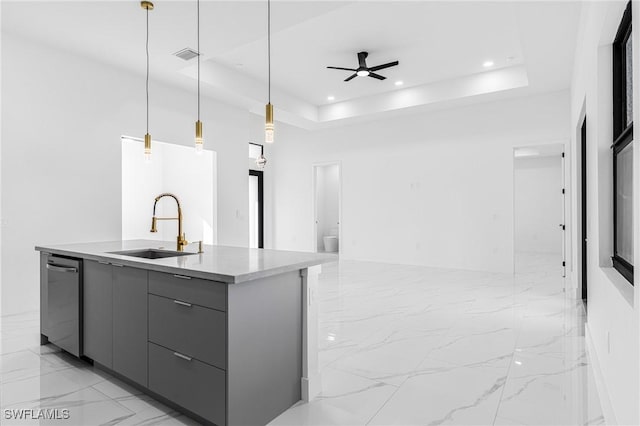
(58, 268)
(118, 265)
(184, 277)
(181, 303)
(179, 355)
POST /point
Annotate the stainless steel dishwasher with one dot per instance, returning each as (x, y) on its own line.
(64, 300)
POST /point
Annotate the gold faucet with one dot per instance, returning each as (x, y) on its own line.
(181, 240)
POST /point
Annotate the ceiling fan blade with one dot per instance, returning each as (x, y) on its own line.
(378, 76)
(351, 77)
(381, 67)
(340, 68)
(362, 56)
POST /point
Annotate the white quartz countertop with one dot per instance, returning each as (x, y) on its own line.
(219, 263)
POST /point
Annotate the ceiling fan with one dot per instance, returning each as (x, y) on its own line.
(363, 70)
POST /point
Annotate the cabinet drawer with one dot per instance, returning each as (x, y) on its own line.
(211, 294)
(196, 386)
(192, 330)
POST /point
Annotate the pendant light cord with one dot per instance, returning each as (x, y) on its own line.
(147, 82)
(198, 29)
(269, 43)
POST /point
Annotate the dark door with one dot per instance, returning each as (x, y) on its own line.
(256, 208)
(583, 205)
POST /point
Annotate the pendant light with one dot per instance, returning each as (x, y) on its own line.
(199, 140)
(147, 5)
(261, 161)
(268, 126)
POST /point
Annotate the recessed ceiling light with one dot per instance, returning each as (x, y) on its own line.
(331, 98)
(399, 83)
(487, 64)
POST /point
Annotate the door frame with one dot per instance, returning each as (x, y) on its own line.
(314, 203)
(562, 189)
(260, 175)
(584, 249)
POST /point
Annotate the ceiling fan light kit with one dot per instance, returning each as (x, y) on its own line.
(363, 70)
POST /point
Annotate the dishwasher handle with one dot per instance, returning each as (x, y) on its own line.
(57, 268)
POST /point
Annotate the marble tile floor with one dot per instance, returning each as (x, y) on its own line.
(408, 345)
(400, 345)
(45, 378)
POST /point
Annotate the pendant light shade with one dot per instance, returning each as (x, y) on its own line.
(268, 126)
(147, 147)
(199, 140)
(147, 6)
(261, 161)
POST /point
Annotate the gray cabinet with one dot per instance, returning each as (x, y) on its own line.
(115, 318)
(231, 354)
(210, 294)
(98, 312)
(130, 323)
(226, 354)
(189, 329)
(194, 385)
(188, 343)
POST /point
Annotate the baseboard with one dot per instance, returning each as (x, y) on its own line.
(605, 402)
(310, 387)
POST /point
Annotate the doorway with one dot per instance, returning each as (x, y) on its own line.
(327, 183)
(256, 209)
(583, 208)
(539, 222)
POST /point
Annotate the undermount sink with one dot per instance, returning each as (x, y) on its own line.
(151, 253)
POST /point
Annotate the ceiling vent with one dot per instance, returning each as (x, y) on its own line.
(187, 54)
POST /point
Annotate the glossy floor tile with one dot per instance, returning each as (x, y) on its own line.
(400, 345)
(435, 347)
(34, 377)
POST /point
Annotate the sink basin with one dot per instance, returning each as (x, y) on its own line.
(151, 253)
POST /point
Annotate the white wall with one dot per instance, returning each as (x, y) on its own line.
(174, 169)
(538, 204)
(1, 210)
(61, 154)
(613, 304)
(430, 189)
(327, 202)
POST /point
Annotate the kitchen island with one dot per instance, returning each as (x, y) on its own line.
(228, 336)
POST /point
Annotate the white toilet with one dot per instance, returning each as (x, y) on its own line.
(331, 241)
